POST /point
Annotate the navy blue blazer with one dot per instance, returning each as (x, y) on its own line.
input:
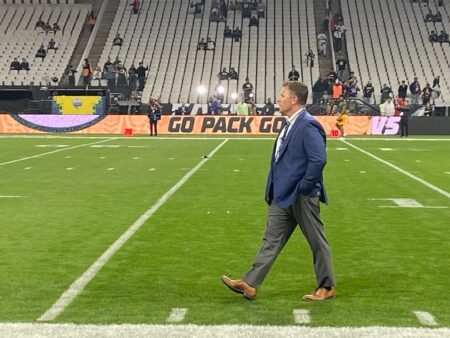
(300, 164)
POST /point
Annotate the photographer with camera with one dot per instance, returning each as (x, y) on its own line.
(154, 115)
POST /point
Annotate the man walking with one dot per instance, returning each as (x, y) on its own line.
(294, 191)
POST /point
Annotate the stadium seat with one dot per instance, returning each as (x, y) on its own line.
(22, 39)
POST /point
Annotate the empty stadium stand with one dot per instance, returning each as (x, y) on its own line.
(164, 35)
(22, 40)
(37, 2)
(387, 42)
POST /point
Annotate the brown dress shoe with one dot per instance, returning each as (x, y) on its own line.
(321, 294)
(240, 286)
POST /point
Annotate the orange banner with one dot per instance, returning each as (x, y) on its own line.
(195, 125)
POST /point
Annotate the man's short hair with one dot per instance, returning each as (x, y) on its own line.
(299, 89)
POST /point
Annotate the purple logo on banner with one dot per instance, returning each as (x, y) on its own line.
(384, 125)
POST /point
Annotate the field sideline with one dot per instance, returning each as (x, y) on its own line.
(175, 214)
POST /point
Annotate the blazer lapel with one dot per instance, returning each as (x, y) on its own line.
(275, 144)
(293, 127)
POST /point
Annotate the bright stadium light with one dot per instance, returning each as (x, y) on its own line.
(221, 89)
(201, 90)
(234, 96)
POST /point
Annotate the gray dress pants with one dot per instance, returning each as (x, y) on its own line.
(281, 223)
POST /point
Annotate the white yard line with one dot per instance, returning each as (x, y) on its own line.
(424, 207)
(301, 316)
(56, 151)
(207, 331)
(418, 179)
(6, 196)
(425, 318)
(74, 290)
(177, 315)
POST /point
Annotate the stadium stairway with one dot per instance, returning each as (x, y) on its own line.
(103, 31)
(83, 39)
(101, 37)
(325, 63)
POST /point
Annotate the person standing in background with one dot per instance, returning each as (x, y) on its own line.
(404, 119)
(92, 20)
(402, 90)
(416, 91)
(154, 115)
(269, 108)
(242, 108)
(87, 72)
(141, 73)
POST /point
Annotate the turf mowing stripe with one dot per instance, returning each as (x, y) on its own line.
(74, 290)
(194, 137)
(207, 331)
(425, 318)
(56, 151)
(301, 316)
(418, 179)
(177, 315)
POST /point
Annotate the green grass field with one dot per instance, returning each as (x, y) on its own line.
(60, 210)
